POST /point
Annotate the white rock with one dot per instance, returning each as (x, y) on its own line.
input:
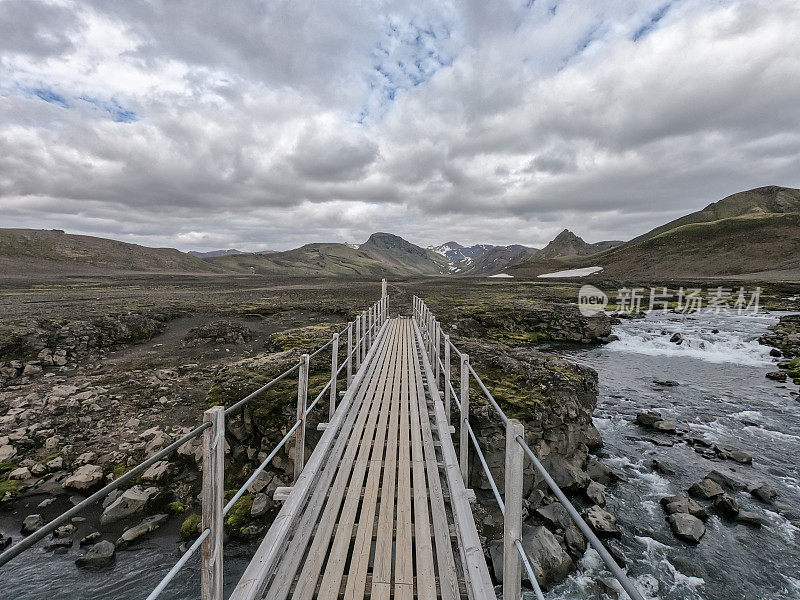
(84, 478)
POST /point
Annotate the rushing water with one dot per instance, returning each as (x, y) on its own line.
(724, 398)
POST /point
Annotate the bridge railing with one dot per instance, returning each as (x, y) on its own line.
(361, 333)
(439, 350)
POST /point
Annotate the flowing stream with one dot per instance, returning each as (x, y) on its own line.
(723, 397)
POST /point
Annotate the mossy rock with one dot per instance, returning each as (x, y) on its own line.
(175, 508)
(10, 485)
(190, 525)
(305, 338)
(7, 466)
(239, 515)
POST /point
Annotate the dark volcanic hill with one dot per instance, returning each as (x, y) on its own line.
(567, 243)
(25, 251)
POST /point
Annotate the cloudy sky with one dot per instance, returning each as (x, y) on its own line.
(267, 124)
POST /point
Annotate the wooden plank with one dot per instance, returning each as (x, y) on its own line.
(448, 577)
(319, 546)
(475, 569)
(403, 564)
(382, 564)
(426, 576)
(338, 553)
(291, 557)
(359, 564)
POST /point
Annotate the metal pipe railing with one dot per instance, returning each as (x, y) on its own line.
(423, 317)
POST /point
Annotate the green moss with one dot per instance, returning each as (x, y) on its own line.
(7, 466)
(175, 508)
(190, 525)
(515, 395)
(12, 485)
(517, 338)
(301, 337)
(239, 514)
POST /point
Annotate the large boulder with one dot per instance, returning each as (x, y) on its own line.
(602, 522)
(682, 504)
(550, 562)
(158, 471)
(85, 478)
(765, 493)
(706, 489)
(32, 523)
(131, 502)
(686, 527)
(99, 555)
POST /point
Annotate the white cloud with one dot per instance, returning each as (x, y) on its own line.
(258, 125)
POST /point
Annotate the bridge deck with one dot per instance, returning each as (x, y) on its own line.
(373, 516)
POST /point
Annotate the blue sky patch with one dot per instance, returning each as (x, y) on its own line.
(651, 24)
(50, 96)
(113, 108)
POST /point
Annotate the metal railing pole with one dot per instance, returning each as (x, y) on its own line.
(300, 434)
(349, 354)
(447, 377)
(213, 499)
(370, 321)
(334, 376)
(512, 518)
(463, 440)
(363, 334)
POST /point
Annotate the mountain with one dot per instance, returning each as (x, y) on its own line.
(482, 259)
(213, 253)
(27, 251)
(754, 234)
(567, 243)
(382, 254)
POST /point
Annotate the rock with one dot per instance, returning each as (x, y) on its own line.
(726, 506)
(567, 475)
(64, 531)
(682, 504)
(741, 457)
(262, 480)
(774, 352)
(31, 368)
(85, 458)
(59, 545)
(7, 452)
(686, 527)
(750, 518)
(726, 481)
(676, 338)
(665, 426)
(5, 541)
(99, 555)
(596, 492)
(601, 473)
(706, 489)
(777, 376)
(85, 478)
(261, 504)
(55, 464)
(160, 441)
(659, 467)
(20, 474)
(89, 539)
(158, 471)
(134, 533)
(602, 522)
(46, 502)
(38, 470)
(251, 531)
(765, 493)
(666, 383)
(550, 562)
(647, 418)
(32, 523)
(129, 503)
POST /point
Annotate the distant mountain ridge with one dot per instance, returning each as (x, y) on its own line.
(752, 233)
(749, 233)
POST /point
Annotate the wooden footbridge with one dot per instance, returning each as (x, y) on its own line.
(381, 509)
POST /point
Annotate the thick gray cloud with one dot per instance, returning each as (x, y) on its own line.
(259, 125)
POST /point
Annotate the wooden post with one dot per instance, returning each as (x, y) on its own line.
(363, 334)
(512, 521)
(357, 342)
(213, 499)
(334, 376)
(437, 353)
(383, 287)
(300, 434)
(370, 322)
(463, 442)
(349, 354)
(447, 377)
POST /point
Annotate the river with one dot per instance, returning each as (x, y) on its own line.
(724, 398)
